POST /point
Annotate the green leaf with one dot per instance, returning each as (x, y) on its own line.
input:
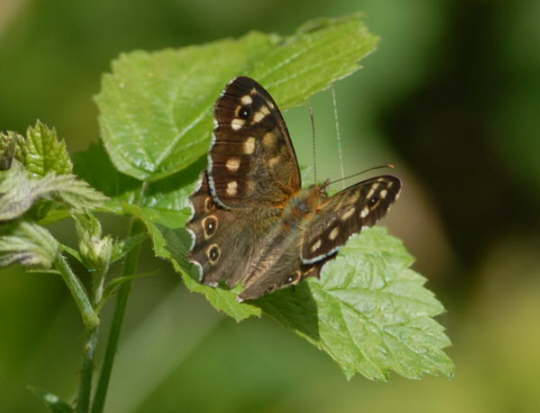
(168, 195)
(28, 244)
(369, 311)
(19, 191)
(43, 152)
(95, 167)
(156, 108)
(52, 401)
(322, 51)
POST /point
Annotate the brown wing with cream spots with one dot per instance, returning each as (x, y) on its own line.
(252, 161)
(346, 213)
(220, 242)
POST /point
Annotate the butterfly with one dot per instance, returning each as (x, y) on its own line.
(252, 223)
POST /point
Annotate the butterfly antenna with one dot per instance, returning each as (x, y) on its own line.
(338, 136)
(312, 119)
(385, 165)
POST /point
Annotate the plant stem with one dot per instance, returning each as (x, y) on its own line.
(89, 316)
(130, 267)
(87, 369)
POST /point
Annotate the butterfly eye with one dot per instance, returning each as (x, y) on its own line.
(245, 112)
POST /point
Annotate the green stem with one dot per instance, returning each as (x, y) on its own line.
(130, 267)
(89, 316)
(87, 369)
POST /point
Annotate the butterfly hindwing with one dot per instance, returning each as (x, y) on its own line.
(219, 254)
(252, 161)
(346, 213)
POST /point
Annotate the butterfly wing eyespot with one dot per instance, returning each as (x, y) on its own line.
(293, 278)
(245, 112)
(213, 252)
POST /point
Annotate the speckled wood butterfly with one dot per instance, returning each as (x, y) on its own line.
(252, 222)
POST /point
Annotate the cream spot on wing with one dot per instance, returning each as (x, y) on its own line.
(261, 114)
(253, 92)
(249, 145)
(237, 123)
(334, 233)
(273, 161)
(269, 139)
(348, 213)
(232, 164)
(390, 184)
(246, 100)
(383, 193)
(364, 213)
(316, 245)
(232, 188)
(372, 190)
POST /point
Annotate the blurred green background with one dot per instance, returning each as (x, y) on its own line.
(452, 96)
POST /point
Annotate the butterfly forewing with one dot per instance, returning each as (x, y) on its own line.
(252, 160)
(346, 213)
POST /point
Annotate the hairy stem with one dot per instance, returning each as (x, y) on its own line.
(130, 267)
(89, 316)
(87, 370)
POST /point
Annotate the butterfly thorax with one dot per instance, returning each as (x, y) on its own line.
(278, 250)
(302, 207)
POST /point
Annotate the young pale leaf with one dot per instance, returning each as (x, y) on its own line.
(19, 191)
(52, 401)
(96, 251)
(8, 149)
(42, 152)
(28, 243)
(156, 108)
